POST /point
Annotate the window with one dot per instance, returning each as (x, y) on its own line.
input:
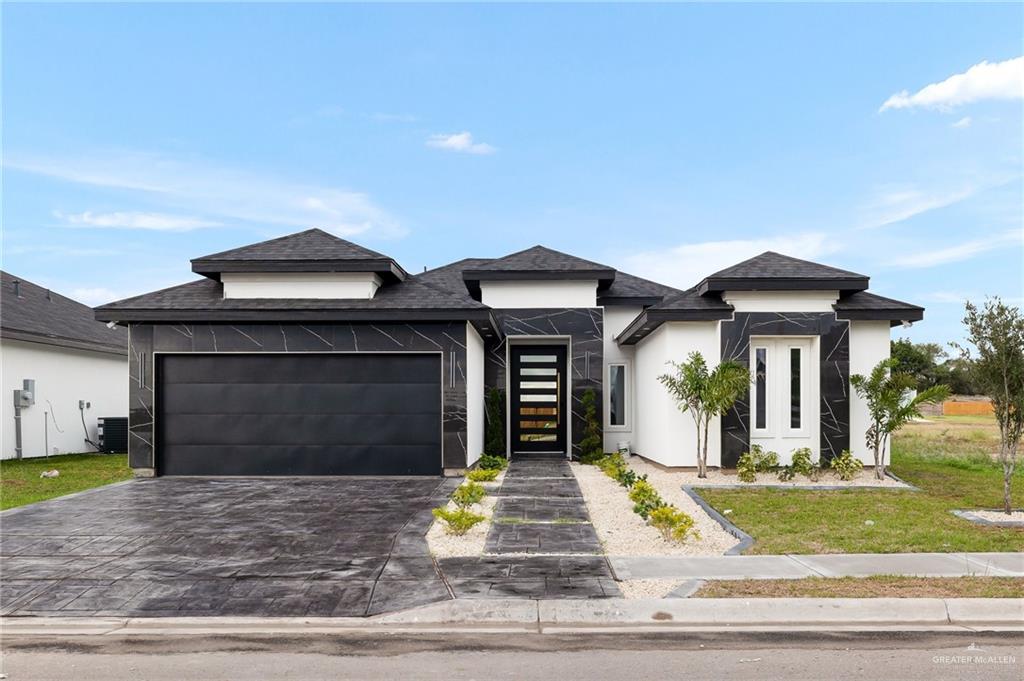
(760, 382)
(794, 388)
(617, 395)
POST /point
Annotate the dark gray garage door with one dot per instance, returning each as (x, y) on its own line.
(299, 414)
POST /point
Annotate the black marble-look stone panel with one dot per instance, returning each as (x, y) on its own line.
(834, 374)
(448, 338)
(584, 327)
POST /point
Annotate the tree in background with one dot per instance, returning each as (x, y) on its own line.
(929, 364)
(494, 437)
(997, 333)
(705, 394)
(592, 444)
(887, 393)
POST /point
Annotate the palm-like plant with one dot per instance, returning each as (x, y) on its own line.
(886, 393)
(705, 394)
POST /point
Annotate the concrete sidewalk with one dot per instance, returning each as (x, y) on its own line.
(579, 616)
(824, 565)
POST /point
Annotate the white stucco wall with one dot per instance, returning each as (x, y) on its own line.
(781, 301)
(320, 285)
(617, 318)
(538, 294)
(869, 345)
(663, 433)
(63, 377)
(474, 395)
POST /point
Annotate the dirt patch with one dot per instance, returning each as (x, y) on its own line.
(866, 587)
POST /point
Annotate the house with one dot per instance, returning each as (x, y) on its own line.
(77, 369)
(309, 354)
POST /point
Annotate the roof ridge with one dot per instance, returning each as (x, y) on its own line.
(296, 235)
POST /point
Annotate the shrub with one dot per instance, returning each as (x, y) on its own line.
(787, 473)
(801, 461)
(645, 498)
(494, 431)
(673, 524)
(459, 521)
(846, 466)
(483, 474)
(468, 494)
(746, 467)
(767, 461)
(491, 462)
(815, 473)
(591, 445)
(612, 465)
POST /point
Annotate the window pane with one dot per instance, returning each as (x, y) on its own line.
(617, 395)
(538, 411)
(536, 437)
(537, 372)
(537, 398)
(794, 387)
(538, 424)
(537, 358)
(538, 384)
(760, 380)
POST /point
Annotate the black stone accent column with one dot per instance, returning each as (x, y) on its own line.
(834, 373)
(448, 338)
(583, 325)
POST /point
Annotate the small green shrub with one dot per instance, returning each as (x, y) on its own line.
(801, 461)
(483, 474)
(494, 427)
(459, 521)
(815, 473)
(591, 446)
(491, 462)
(645, 498)
(767, 461)
(746, 467)
(846, 466)
(787, 473)
(673, 524)
(468, 494)
(612, 465)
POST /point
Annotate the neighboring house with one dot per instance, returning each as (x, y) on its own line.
(309, 354)
(57, 343)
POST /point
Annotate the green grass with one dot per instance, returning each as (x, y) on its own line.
(951, 460)
(20, 483)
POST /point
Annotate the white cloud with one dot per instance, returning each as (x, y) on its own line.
(1002, 80)
(959, 252)
(136, 220)
(896, 204)
(964, 122)
(199, 186)
(460, 142)
(684, 265)
(95, 296)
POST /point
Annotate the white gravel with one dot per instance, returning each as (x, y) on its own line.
(648, 588)
(444, 545)
(717, 478)
(624, 533)
(999, 516)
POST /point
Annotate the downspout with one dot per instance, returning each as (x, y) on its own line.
(17, 426)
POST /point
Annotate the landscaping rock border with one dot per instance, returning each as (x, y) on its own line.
(745, 540)
(972, 516)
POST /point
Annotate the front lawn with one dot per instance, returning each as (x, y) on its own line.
(20, 483)
(882, 586)
(951, 460)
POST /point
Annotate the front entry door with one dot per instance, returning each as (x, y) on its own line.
(538, 398)
(784, 395)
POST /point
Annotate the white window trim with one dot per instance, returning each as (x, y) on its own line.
(628, 425)
(805, 350)
(769, 409)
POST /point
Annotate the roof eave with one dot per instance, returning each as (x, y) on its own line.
(649, 320)
(895, 316)
(124, 315)
(58, 341)
(387, 268)
(721, 284)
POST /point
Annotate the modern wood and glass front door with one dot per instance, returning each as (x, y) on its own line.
(538, 398)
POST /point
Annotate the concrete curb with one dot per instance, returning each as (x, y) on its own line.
(745, 540)
(971, 516)
(565, 616)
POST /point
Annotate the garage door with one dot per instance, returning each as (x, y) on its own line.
(299, 414)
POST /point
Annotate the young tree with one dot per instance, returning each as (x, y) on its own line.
(997, 332)
(705, 394)
(592, 444)
(890, 406)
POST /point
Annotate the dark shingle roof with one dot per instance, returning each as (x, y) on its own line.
(541, 259)
(39, 315)
(691, 301)
(627, 286)
(774, 271)
(313, 250)
(864, 305)
(203, 300)
(449, 277)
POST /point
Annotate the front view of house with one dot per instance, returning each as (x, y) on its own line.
(311, 355)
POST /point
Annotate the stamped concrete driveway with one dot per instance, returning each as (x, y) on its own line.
(201, 546)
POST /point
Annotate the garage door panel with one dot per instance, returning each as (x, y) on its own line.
(301, 414)
(303, 368)
(300, 460)
(306, 429)
(295, 398)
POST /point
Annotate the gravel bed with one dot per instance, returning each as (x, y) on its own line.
(719, 479)
(624, 533)
(648, 588)
(444, 545)
(1000, 517)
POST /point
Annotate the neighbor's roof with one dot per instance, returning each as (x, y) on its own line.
(39, 315)
(772, 271)
(313, 250)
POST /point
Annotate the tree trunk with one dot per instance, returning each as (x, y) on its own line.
(703, 472)
(880, 460)
(700, 449)
(1007, 477)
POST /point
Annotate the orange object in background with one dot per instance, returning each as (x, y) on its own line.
(967, 408)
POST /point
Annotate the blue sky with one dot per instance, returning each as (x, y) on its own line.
(667, 140)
